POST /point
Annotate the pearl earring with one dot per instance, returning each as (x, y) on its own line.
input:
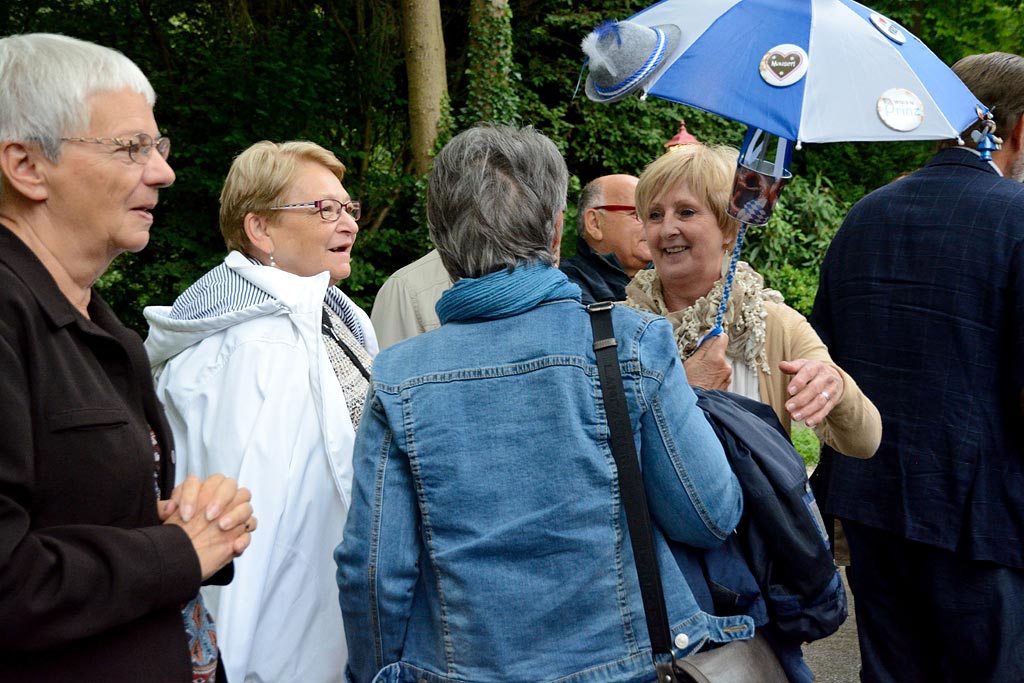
(273, 263)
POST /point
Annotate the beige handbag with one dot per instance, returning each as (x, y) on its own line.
(741, 661)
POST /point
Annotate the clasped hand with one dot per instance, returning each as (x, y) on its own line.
(217, 516)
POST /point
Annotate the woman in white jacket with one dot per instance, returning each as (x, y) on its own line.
(263, 367)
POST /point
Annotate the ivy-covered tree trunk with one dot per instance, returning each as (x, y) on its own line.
(428, 85)
(490, 70)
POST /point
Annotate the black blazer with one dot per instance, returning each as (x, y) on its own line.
(91, 584)
(922, 301)
(600, 277)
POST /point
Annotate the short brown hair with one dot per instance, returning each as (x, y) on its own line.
(997, 80)
(258, 179)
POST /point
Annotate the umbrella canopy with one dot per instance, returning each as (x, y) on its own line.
(800, 70)
(807, 70)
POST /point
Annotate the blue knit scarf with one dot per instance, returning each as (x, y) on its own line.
(503, 294)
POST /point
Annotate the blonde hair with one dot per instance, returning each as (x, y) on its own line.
(708, 171)
(258, 179)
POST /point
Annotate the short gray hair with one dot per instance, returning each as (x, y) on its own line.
(46, 80)
(997, 80)
(592, 195)
(493, 199)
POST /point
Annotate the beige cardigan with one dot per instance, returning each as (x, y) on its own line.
(854, 426)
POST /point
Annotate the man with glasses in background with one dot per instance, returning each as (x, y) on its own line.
(611, 246)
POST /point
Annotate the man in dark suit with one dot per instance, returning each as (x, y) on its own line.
(921, 300)
(611, 246)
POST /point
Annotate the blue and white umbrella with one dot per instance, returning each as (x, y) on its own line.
(801, 70)
(807, 70)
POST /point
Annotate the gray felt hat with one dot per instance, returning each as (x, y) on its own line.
(623, 54)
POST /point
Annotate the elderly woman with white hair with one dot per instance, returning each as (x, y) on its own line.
(100, 560)
(487, 540)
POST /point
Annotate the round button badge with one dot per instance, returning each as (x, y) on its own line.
(783, 65)
(888, 28)
(900, 109)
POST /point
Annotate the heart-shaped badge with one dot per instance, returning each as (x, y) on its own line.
(783, 65)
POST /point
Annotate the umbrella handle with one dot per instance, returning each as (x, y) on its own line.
(727, 289)
(713, 332)
(985, 139)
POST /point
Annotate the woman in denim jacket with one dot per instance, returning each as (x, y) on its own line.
(486, 539)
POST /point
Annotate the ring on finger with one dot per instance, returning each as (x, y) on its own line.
(826, 395)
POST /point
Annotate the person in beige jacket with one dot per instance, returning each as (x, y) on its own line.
(404, 306)
(768, 351)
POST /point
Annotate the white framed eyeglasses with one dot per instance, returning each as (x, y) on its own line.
(138, 146)
(330, 209)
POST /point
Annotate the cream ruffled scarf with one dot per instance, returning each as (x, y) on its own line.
(744, 320)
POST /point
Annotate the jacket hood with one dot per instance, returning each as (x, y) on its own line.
(238, 290)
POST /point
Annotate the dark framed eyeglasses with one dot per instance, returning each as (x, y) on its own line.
(138, 146)
(620, 208)
(330, 209)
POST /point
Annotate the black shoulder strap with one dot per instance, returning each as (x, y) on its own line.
(327, 328)
(631, 486)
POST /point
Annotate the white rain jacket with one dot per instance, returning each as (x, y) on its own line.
(241, 369)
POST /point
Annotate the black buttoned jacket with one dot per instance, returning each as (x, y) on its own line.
(91, 584)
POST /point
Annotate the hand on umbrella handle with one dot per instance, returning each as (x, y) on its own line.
(708, 368)
(713, 332)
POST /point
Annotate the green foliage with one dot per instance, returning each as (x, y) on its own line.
(807, 445)
(330, 72)
(956, 29)
(232, 72)
(855, 168)
(789, 250)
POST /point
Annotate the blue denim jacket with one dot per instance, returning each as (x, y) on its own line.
(486, 539)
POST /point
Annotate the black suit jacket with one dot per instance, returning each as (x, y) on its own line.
(921, 300)
(91, 584)
(600, 276)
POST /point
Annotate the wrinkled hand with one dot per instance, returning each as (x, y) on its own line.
(707, 367)
(816, 388)
(220, 523)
